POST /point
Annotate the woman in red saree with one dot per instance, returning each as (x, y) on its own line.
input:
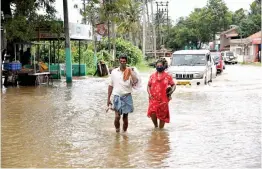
(158, 95)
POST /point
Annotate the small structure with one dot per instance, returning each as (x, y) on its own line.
(255, 43)
(37, 73)
(226, 36)
(248, 48)
(78, 32)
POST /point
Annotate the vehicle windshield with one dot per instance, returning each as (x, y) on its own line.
(230, 54)
(189, 60)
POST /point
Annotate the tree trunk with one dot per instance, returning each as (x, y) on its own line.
(114, 40)
(153, 29)
(130, 36)
(134, 39)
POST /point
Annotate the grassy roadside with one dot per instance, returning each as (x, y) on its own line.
(251, 63)
(144, 67)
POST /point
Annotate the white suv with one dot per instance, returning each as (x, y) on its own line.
(190, 67)
(229, 57)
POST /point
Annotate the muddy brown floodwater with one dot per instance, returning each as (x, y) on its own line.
(218, 125)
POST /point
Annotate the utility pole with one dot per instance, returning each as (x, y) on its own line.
(158, 18)
(167, 20)
(154, 28)
(105, 2)
(67, 44)
(162, 8)
(84, 3)
(144, 27)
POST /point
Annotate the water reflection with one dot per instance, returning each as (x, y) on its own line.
(158, 147)
(119, 152)
(66, 126)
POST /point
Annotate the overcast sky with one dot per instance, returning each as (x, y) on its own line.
(177, 8)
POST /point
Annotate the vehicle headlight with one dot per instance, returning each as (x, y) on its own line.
(198, 75)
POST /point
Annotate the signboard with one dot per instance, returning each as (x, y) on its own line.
(101, 29)
(76, 31)
(80, 31)
(256, 41)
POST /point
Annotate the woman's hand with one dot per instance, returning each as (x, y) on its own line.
(150, 96)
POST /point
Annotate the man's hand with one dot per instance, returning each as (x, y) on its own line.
(133, 76)
(110, 89)
(109, 103)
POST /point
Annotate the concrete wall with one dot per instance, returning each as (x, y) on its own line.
(224, 41)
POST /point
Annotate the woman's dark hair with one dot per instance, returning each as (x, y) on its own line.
(163, 61)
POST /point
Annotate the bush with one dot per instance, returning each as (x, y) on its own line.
(89, 60)
(106, 57)
(133, 53)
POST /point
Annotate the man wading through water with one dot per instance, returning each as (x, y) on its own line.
(122, 80)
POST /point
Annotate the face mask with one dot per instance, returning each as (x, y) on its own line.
(123, 65)
(160, 69)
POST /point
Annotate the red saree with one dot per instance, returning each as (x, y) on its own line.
(158, 104)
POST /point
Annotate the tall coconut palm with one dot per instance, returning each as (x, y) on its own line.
(129, 23)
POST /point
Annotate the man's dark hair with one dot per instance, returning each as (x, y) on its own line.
(123, 57)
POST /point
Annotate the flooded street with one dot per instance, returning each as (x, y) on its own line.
(218, 125)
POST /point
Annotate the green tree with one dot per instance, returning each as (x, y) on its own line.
(218, 16)
(252, 23)
(20, 19)
(238, 16)
(129, 20)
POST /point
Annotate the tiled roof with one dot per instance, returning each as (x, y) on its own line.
(255, 35)
(229, 30)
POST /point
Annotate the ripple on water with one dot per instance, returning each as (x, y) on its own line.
(67, 126)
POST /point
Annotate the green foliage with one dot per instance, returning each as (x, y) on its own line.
(106, 57)
(133, 53)
(252, 22)
(203, 23)
(248, 27)
(89, 60)
(238, 16)
(17, 28)
(24, 19)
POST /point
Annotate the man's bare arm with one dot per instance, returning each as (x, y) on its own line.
(110, 89)
(133, 76)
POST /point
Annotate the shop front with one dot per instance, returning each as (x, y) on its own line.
(257, 49)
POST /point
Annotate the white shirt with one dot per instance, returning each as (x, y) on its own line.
(120, 87)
